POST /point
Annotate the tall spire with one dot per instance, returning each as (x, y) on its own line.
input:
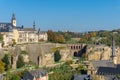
(39, 30)
(34, 25)
(113, 48)
(13, 17)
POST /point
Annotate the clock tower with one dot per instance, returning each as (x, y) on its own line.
(13, 20)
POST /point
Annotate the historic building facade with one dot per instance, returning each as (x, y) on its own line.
(19, 35)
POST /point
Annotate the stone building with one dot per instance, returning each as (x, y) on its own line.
(39, 74)
(105, 69)
(13, 33)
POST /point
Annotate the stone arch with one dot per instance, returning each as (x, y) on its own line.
(39, 60)
(71, 47)
(12, 59)
(75, 54)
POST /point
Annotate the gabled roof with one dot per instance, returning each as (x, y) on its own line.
(82, 77)
(38, 73)
(103, 63)
(108, 71)
(35, 73)
(106, 67)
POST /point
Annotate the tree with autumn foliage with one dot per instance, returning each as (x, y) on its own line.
(56, 38)
(52, 36)
(60, 39)
(1, 67)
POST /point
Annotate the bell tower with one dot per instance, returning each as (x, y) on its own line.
(13, 20)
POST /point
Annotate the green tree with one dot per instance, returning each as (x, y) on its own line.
(15, 77)
(20, 62)
(23, 52)
(6, 61)
(1, 67)
(57, 56)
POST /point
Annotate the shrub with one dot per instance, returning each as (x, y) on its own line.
(57, 56)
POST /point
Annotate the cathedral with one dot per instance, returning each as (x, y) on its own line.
(19, 34)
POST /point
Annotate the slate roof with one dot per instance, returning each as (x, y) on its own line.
(82, 77)
(28, 29)
(106, 67)
(35, 73)
(111, 77)
(5, 27)
(103, 63)
(109, 70)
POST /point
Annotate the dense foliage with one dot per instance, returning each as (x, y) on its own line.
(101, 37)
(62, 72)
(62, 37)
(6, 62)
(55, 38)
(93, 37)
(23, 52)
(15, 77)
(20, 62)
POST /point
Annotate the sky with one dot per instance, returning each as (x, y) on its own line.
(63, 15)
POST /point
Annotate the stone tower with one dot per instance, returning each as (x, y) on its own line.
(13, 20)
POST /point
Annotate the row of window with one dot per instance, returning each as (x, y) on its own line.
(76, 47)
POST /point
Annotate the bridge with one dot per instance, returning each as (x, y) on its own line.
(77, 50)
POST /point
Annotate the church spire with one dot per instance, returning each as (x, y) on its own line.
(13, 17)
(34, 25)
(113, 48)
(39, 30)
(113, 56)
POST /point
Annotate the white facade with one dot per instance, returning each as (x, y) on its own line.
(21, 37)
(42, 36)
(31, 37)
(7, 38)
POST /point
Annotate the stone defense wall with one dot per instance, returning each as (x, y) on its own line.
(43, 52)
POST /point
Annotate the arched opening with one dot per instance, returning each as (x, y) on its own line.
(38, 60)
(75, 54)
(71, 47)
(12, 60)
(74, 47)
